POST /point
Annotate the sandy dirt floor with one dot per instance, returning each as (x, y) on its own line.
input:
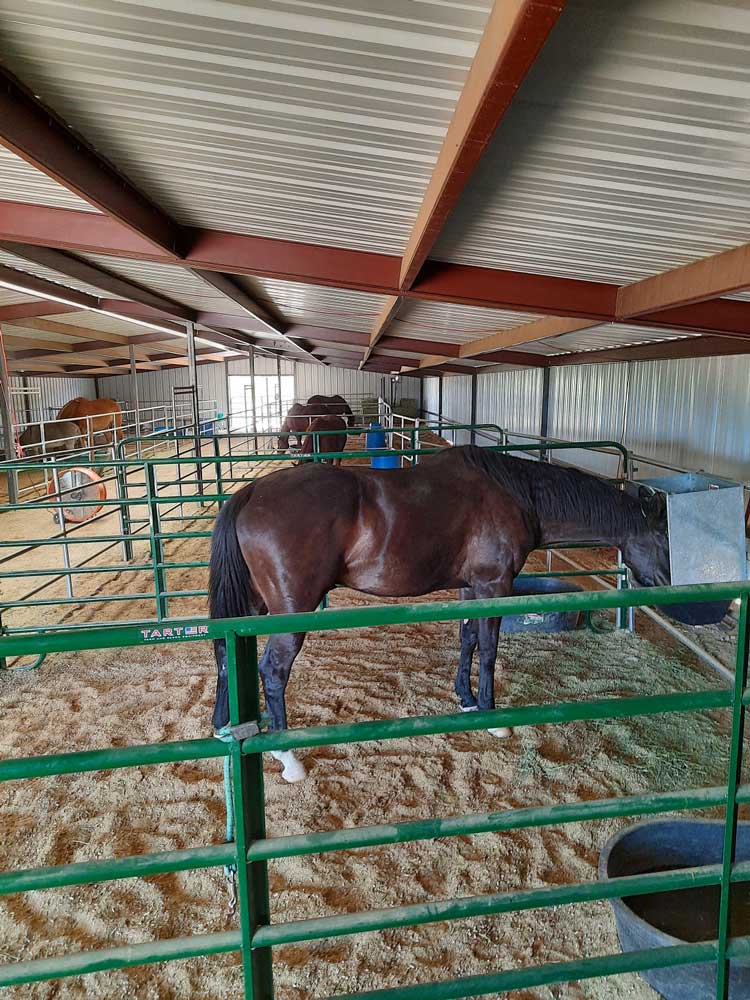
(103, 699)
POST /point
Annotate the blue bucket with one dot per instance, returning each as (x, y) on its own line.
(385, 461)
(375, 437)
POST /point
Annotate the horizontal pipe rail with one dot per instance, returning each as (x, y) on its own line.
(391, 614)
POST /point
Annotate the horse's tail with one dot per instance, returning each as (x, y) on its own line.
(230, 589)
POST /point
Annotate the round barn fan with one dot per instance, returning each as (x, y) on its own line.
(78, 486)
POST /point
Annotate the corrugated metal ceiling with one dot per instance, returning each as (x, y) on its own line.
(317, 305)
(626, 150)
(452, 324)
(598, 338)
(175, 282)
(21, 182)
(40, 271)
(285, 119)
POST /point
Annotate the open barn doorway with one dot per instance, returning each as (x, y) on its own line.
(273, 397)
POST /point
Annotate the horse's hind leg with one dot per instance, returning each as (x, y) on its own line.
(489, 631)
(469, 636)
(274, 668)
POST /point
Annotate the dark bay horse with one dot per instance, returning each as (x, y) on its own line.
(296, 421)
(327, 443)
(331, 404)
(465, 519)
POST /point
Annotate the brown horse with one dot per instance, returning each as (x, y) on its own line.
(55, 435)
(99, 416)
(320, 405)
(466, 519)
(296, 421)
(326, 443)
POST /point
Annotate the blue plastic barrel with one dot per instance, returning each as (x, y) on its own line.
(375, 437)
(385, 461)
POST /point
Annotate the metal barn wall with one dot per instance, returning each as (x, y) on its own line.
(322, 380)
(54, 394)
(457, 403)
(689, 413)
(587, 403)
(692, 413)
(511, 399)
(431, 396)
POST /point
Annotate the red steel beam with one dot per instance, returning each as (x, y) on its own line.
(363, 271)
(36, 134)
(28, 310)
(514, 35)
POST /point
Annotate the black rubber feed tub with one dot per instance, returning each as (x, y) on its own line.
(559, 621)
(684, 916)
(702, 613)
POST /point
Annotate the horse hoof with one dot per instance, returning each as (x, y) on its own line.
(293, 770)
(502, 734)
(469, 708)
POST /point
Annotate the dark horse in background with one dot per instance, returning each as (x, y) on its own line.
(296, 421)
(466, 519)
(327, 444)
(321, 405)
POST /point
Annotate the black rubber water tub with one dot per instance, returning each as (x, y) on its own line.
(562, 621)
(683, 916)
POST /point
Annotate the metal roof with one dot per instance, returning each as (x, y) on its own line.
(626, 150)
(309, 122)
(317, 305)
(21, 182)
(40, 271)
(175, 282)
(598, 338)
(453, 324)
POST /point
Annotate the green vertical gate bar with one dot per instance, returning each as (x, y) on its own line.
(733, 779)
(250, 816)
(122, 489)
(157, 545)
(218, 473)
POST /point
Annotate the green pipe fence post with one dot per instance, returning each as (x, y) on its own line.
(250, 816)
(219, 480)
(157, 546)
(122, 490)
(736, 753)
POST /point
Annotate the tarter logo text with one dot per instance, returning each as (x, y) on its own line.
(174, 632)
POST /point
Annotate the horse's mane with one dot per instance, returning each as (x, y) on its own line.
(552, 493)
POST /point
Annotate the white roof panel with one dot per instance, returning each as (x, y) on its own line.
(626, 151)
(317, 305)
(19, 181)
(600, 338)
(276, 117)
(453, 324)
(175, 282)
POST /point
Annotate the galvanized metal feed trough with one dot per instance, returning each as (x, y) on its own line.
(706, 518)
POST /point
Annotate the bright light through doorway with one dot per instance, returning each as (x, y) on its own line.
(269, 409)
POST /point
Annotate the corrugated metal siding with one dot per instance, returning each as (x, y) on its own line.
(156, 387)
(314, 380)
(431, 396)
(457, 404)
(21, 182)
(624, 152)
(588, 403)
(312, 122)
(512, 399)
(54, 394)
